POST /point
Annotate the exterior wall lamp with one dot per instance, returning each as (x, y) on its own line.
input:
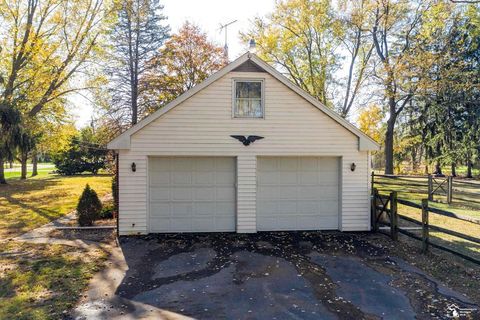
(134, 167)
(353, 166)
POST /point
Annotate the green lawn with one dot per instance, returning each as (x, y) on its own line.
(28, 204)
(44, 169)
(466, 201)
(41, 281)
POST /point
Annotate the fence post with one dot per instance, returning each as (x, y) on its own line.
(374, 209)
(393, 216)
(430, 187)
(373, 181)
(425, 233)
(449, 189)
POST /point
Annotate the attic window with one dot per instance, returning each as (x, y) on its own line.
(248, 99)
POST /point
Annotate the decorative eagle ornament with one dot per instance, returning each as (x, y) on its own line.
(247, 140)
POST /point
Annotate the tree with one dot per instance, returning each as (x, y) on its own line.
(136, 38)
(84, 154)
(44, 45)
(370, 121)
(187, 59)
(356, 41)
(89, 207)
(394, 30)
(300, 38)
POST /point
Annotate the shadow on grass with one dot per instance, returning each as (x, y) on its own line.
(42, 286)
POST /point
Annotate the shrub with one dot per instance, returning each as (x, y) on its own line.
(82, 155)
(106, 212)
(89, 207)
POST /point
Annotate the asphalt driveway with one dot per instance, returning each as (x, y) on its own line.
(304, 275)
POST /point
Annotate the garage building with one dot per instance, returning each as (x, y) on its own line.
(244, 151)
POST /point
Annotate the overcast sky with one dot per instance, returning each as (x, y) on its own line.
(209, 15)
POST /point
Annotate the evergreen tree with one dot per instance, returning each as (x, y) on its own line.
(136, 38)
(89, 207)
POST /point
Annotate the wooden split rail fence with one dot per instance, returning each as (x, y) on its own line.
(436, 185)
(385, 217)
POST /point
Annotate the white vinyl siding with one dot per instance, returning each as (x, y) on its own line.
(246, 193)
(202, 125)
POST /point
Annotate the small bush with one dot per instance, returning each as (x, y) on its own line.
(89, 207)
(106, 212)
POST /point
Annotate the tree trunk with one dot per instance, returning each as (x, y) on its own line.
(2, 172)
(34, 163)
(389, 139)
(426, 169)
(438, 168)
(454, 169)
(469, 169)
(11, 164)
(24, 159)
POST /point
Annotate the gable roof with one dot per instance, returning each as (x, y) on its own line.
(123, 140)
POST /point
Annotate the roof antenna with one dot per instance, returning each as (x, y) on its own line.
(222, 27)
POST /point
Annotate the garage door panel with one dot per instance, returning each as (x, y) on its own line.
(269, 207)
(224, 178)
(287, 164)
(307, 178)
(224, 166)
(308, 193)
(159, 193)
(159, 165)
(181, 178)
(329, 206)
(267, 165)
(224, 193)
(224, 224)
(204, 165)
(224, 208)
(287, 178)
(268, 178)
(182, 165)
(286, 207)
(181, 209)
(287, 192)
(162, 224)
(160, 209)
(204, 178)
(307, 207)
(308, 164)
(297, 193)
(328, 175)
(202, 223)
(192, 194)
(203, 208)
(181, 193)
(159, 178)
(205, 193)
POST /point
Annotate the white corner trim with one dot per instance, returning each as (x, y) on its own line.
(123, 140)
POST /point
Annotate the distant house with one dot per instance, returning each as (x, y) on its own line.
(180, 169)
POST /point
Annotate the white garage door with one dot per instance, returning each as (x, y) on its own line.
(192, 194)
(297, 193)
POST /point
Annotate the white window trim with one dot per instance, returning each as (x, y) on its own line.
(234, 86)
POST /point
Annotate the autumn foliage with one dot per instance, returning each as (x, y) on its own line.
(187, 59)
